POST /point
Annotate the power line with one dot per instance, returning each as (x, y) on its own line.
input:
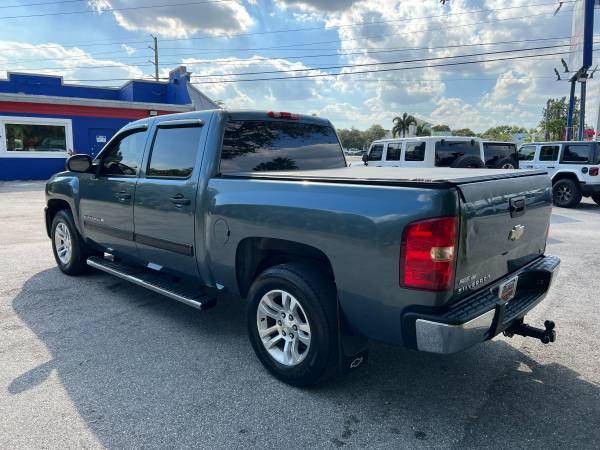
(88, 44)
(41, 4)
(286, 57)
(460, 63)
(125, 8)
(342, 73)
(289, 46)
(345, 66)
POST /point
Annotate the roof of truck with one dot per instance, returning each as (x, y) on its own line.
(438, 177)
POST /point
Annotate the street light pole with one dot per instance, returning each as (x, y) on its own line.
(155, 62)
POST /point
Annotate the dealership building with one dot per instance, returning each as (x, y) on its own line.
(43, 120)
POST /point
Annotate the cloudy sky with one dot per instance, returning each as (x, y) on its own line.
(358, 41)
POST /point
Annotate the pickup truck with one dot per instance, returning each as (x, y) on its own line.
(218, 205)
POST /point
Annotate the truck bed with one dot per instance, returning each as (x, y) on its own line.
(433, 177)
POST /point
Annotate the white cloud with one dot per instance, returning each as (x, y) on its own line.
(71, 64)
(319, 5)
(179, 21)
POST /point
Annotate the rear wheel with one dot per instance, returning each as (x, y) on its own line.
(292, 323)
(596, 197)
(566, 193)
(70, 252)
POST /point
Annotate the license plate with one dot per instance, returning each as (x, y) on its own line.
(508, 289)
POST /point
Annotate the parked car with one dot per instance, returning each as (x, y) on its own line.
(434, 151)
(573, 167)
(500, 155)
(262, 206)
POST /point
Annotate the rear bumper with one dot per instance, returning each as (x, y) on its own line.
(589, 189)
(480, 316)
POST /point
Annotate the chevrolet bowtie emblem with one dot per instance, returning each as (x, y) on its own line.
(516, 232)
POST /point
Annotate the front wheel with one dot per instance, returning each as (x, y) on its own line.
(70, 252)
(292, 323)
(596, 197)
(566, 193)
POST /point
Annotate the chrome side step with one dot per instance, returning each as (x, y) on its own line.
(155, 281)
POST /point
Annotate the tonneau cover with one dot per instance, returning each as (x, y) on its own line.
(437, 177)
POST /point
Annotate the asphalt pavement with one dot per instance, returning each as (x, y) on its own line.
(94, 362)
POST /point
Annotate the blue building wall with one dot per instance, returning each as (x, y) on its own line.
(88, 132)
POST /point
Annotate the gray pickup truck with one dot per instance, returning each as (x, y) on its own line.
(262, 206)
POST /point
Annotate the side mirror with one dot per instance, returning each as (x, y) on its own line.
(365, 158)
(79, 163)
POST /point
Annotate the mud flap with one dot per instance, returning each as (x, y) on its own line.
(353, 349)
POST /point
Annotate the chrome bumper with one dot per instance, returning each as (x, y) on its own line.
(457, 328)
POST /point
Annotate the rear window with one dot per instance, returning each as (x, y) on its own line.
(578, 153)
(447, 152)
(258, 146)
(494, 152)
(527, 153)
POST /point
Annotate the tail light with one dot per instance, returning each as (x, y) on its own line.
(593, 171)
(283, 115)
(428, 253)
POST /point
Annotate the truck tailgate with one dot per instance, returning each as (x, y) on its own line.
(504, 225)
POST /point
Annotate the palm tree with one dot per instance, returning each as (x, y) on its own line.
(402, 124)
(423, 130)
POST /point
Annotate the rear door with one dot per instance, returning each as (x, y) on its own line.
(548, 158)
(165, 200)
(500, 155)
(504, 225)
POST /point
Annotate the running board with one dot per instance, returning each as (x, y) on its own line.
(155, 281)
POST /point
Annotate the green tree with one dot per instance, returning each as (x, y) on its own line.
(502, 132)
(423, 130)
(464, 132)
(373, 133)
(402, 124)
(439, 128)
(554, 118)
(351, 138)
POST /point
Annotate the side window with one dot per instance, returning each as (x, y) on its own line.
(549, 152)
(415, 151)
(393, 151)
(526, 153)
(577, 154)
(174, 152)
(124, 156)
(376, 152)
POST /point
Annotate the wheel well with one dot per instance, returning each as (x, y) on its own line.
(565, 175)
(54, 206)
(254, 255)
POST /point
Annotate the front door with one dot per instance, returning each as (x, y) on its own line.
(165, 198)
(106, 204)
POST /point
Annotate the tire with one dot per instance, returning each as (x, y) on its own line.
(596, 197)
(70, 252)
(316, 299)
(505, 163)
(566, 193)
(468, 162)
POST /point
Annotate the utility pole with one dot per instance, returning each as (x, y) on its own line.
(155, 62)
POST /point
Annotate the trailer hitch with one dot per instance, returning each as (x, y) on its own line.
(546, 335)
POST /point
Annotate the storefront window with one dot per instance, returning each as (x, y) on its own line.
(35, 138)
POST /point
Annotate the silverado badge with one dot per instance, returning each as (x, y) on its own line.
(516, 232)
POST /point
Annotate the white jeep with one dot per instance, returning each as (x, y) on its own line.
(441, 151)
(573, 167)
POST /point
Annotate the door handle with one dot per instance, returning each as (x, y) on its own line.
(550, 167)
(123, 195)
(180, 200)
